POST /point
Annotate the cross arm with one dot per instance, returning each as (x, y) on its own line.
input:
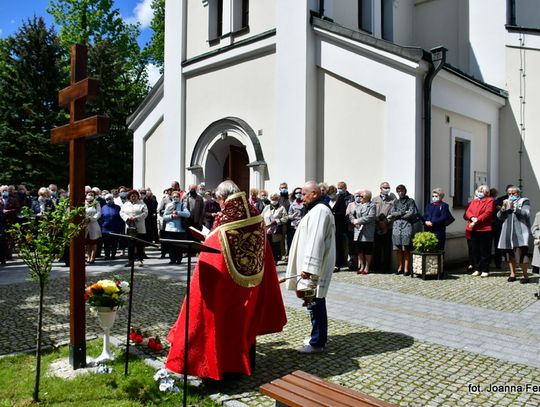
(90, 127)
(86, 88)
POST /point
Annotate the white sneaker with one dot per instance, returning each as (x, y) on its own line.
(310, 349)
(484, 274)
(306, 341)
(476, 273)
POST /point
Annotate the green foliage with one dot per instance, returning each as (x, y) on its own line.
(42, 240)
(425, 242)
(30, 77)
(155, 50)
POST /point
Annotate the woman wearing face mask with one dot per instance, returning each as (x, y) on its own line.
(93, 230)
(43, 203)
(514, 240)
(134, 212)
(174, 229)
(112, 223)
(479, 216)
(404, 214)
(362, 216)
(296, 212)
(275, 216)
(437, 216)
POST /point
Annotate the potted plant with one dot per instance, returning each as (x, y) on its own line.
(426, 259)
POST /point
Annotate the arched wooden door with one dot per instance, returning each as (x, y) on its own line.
(236, 168)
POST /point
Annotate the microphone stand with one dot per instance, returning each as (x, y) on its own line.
(190, 246)
(131, 242)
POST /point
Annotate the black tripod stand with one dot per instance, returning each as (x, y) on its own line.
(191, 247)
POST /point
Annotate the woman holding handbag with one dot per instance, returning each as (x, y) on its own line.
(437, 217)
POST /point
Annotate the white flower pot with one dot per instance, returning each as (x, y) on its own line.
(107, 316)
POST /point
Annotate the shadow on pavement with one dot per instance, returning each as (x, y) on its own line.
(343, 355)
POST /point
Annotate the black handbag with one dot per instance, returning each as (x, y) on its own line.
(449, 220)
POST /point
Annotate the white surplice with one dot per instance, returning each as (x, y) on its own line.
(313, 249)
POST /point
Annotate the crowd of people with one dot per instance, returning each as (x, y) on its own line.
(368, 229)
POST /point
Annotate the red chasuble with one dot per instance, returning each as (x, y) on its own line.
(235, 296)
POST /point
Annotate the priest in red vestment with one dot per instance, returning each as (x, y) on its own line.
(235, 295)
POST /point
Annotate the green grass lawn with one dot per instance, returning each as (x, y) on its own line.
(17, 375)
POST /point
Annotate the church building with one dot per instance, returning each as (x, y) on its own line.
(425, 93)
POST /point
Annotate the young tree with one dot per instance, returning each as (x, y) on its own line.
(40, 242)
(115, 58)
(30, 76)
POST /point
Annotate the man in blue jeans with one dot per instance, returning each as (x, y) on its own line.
(311, 263)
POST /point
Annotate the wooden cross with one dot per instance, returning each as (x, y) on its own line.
(78, 129)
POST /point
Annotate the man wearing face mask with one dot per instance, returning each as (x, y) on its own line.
(336, 202)
(122, 196)
(382, 245)
(312, 258)
(195, 205)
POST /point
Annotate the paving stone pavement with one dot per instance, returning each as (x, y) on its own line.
(407, 341)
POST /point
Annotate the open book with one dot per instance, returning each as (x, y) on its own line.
(200, 235)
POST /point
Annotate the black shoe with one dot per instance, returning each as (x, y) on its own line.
(524, 281)
(408, 273)
(179, 261)
(399, 272)
(511, 279)
(171, 262)
(129, 264)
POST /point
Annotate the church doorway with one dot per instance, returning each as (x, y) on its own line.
(235, 167)
(228, 149)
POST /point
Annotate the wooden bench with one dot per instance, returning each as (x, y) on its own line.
(301, 389)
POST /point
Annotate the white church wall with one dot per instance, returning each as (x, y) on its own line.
(400, 88)
(445, 23)
(510, 121)
(197, 29)
(147, 160)
(353, 134)
(262, 16)
(245, 90)
(155, 168)
(296, 93)
(174, 92)
(486, 37)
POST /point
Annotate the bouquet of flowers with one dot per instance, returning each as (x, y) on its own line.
(107, 293)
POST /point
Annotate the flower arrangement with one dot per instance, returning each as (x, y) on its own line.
(107, 293)
(425, 242)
